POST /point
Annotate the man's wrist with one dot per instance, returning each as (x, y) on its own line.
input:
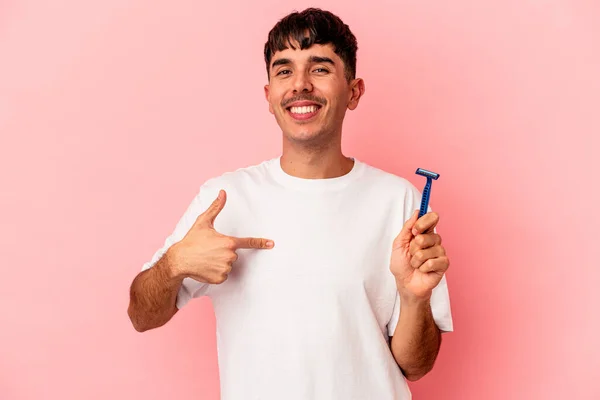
(171, 266)
(409, 301)
(412, 300)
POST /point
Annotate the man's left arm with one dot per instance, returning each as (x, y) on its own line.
(418, 263)
(416, 341)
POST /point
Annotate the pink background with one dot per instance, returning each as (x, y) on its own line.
(113, 112)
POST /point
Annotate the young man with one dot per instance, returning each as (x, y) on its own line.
(324, 283)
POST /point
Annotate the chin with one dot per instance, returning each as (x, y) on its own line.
(303, 135)
(309, 139)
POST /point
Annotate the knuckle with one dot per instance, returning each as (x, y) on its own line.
(259, 243)
(220, 278)
(215, 203)
(229, 243)
(232, 257)
(419, 255)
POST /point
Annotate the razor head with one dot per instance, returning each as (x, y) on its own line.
(428, 174)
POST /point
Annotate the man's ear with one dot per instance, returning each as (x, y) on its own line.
(268, 99)
(357, 90)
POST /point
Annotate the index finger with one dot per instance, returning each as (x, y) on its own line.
(253, 243)
(426, 223)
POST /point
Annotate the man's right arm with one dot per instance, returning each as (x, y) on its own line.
(153, 295)
(203, 255)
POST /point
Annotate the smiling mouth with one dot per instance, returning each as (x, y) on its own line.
(304, 113)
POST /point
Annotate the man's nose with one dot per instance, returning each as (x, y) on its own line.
(302, 83)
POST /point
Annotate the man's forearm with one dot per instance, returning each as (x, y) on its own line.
(416, 341)
(153, 296)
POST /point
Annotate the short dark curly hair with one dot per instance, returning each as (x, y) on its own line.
(311, 26)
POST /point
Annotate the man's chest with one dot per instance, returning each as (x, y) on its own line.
(328, 250)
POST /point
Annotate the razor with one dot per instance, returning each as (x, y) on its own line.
(427, 191)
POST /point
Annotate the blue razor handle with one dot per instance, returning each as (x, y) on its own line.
(427, 191)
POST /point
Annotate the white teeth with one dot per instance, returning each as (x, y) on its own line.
(303, 110)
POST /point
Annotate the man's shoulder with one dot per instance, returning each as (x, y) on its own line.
(379, 176)
(250, 174)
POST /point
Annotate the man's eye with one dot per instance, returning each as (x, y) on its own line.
(284, 72)
(322, 70)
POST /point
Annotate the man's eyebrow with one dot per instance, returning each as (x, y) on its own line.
(321, 60)
(281, 61)
(311, 59)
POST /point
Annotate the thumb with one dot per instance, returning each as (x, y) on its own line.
(406, 235)
(207, 218)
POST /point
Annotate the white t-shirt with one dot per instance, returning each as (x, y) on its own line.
(308, 319)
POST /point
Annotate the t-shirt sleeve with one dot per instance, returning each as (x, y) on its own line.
(190, 288)
(440, 298)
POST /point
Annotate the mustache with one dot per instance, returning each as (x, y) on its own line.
(307, 97)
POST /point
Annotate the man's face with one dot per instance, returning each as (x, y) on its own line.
(308, 93)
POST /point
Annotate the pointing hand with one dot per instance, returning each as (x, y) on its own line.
(206, 255)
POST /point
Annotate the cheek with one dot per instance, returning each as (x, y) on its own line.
(338, 107)
(338, 99)
(275, 103)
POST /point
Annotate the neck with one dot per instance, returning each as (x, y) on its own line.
(315, 163)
